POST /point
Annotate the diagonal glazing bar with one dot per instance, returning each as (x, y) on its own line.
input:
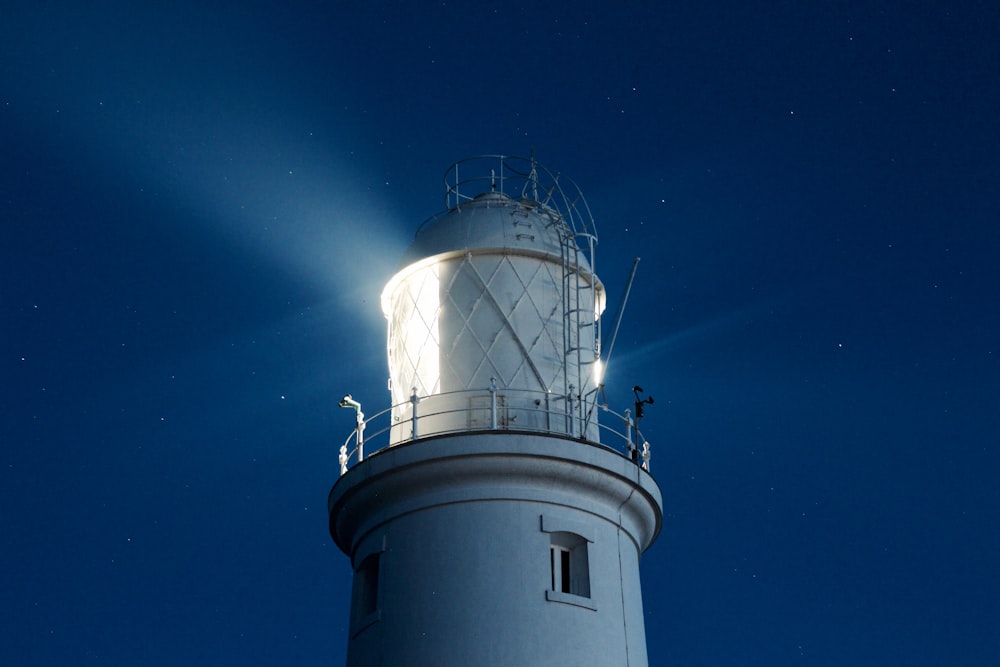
(507, 323)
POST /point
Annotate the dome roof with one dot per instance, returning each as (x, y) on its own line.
(547, 219)
(492, 221)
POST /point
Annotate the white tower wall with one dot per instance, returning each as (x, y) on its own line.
(462, 528)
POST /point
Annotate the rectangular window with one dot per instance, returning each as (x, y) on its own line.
(365, 596)
(569, 561)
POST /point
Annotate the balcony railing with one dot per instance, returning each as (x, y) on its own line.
(492, 410)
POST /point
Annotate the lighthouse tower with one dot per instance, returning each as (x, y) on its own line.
(490, 518)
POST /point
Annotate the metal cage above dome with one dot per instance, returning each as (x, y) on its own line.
(519, 178)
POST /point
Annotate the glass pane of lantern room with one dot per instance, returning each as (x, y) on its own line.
(414, 340)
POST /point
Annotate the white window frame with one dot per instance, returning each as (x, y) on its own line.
(568, 549)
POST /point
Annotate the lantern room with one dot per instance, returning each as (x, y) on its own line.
(494, 315)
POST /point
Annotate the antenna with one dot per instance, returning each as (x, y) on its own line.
(614, 336)
(621, 312)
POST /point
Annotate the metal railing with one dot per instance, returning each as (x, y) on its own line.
(491, 410)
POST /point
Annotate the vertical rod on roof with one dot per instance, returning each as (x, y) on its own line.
(533, 177)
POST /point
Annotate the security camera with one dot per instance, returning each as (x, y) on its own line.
(348, 402)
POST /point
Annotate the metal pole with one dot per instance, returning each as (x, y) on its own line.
(493, 403)
(621, 313)
(629, 445)
(413, 403)
(361, 436)
(569, 403)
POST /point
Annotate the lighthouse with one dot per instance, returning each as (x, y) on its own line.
(496, 512)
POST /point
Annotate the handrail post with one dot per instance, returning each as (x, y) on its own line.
(572, 412)
(629, 445)
(493, 403)
(413, 409)
(361, 436)
(359, 431)
(548, 411)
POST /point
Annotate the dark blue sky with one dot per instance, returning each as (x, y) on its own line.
(201, 201)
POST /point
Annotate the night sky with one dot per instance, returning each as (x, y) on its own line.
(201, 201)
